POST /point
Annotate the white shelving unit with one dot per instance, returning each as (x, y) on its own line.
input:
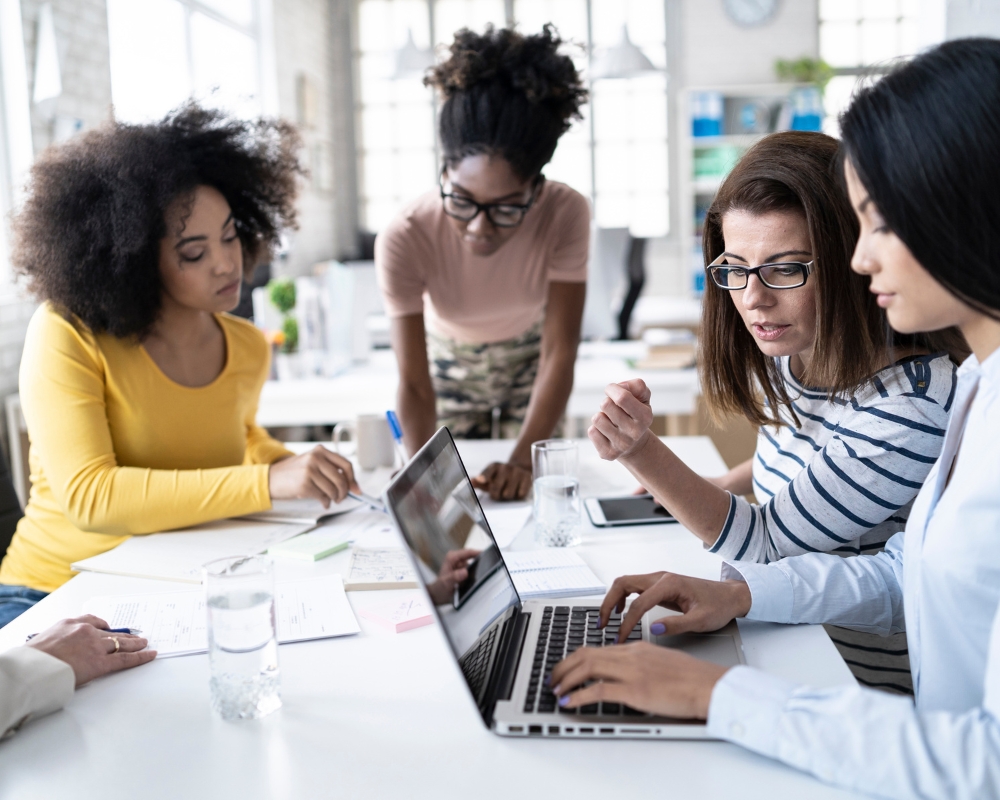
(696, 191)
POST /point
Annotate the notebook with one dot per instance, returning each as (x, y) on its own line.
(299, 512)
(375, 568)
(551, 572)
(334, 536)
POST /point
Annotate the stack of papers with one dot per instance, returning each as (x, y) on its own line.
(175, 622)
(179, 555)
(375, 568)
(326, 541)
(551, 573)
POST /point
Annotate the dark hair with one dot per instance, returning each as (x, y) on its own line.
(925, 143)
(790, 171)
(88, 237)
(506, 94)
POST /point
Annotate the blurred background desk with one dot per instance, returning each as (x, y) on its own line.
(385, 715)
(372, 386)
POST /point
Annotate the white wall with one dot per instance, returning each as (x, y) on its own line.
(973, 18)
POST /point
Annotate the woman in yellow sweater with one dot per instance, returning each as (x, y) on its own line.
(139, 391)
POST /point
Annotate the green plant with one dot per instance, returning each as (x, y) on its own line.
(281, 292)
(290, 328)
(804, 70)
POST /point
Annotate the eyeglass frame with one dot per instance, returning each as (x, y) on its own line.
(524, 208)
(807, 268)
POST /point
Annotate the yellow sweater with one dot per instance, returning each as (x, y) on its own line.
(117, 448)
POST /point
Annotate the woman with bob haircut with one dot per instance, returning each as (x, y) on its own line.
(922, 163)
(139, 391)
(484, 278)
(850, 420)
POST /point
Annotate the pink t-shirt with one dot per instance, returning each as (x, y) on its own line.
(422, 266)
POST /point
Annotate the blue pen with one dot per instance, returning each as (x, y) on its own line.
(397, 433)
(133, 631)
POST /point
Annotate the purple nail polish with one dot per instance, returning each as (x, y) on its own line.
(657, 628)
(563, 701)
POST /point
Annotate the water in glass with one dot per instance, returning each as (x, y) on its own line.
(242, 647)
(557, 511)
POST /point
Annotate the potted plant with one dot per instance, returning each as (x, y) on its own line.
(281, 293)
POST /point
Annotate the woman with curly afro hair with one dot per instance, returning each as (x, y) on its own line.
(139, 390)
(495, 258)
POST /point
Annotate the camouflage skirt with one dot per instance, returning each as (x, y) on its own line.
(483, 389)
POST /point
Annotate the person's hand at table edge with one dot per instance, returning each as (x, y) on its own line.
(703, 605)
(90, 649)
(508, 481)
(659, 680)
(319, 474)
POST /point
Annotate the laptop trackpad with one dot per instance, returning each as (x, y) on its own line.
(719, 648)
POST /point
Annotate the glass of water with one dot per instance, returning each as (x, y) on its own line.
(242, 645)
(557, 492)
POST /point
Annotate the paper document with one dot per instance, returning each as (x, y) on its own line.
(303, 511)
(179, 555)
(175, 622)
(380, 568)
(551, 572)
(506, 522)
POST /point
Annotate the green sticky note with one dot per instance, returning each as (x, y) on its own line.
(311, 546)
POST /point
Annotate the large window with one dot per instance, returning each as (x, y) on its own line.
(166, 51)
(616, 155)
(860, 39)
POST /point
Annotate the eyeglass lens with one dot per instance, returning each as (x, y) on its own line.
(504, 216)
(777, 276)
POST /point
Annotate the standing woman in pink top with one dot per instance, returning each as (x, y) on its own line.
(484, 278)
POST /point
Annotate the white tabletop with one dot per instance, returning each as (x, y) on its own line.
(383, 714)
(326, 401)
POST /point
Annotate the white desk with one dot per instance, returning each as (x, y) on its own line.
(327, 401)
(384, 715)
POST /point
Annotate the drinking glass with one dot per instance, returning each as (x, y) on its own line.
(242, 645)
(554, 463)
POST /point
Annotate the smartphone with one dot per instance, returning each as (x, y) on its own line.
(640, 509)
(480, 568)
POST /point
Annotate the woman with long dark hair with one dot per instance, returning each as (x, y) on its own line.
(139, 390)
(850, 420)
(922, 165)
(484, 277)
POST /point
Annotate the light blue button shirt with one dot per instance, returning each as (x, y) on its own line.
(940, 579)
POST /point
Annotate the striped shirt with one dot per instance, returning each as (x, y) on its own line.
(843, 481)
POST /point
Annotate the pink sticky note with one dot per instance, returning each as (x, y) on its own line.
(401, 616)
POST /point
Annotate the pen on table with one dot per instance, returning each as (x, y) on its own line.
(397, 433)
(368, 500)
(133, 631)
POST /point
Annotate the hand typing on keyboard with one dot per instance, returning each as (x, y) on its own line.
(640, 675)
(704, 605)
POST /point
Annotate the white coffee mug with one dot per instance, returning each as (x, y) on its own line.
(374, 440)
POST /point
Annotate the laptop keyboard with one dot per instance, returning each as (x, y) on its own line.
(565, 630)
(475, 662)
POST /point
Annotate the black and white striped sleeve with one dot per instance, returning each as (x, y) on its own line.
(872, 466)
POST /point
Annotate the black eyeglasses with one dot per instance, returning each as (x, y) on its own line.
(503, 215)
(780, 275)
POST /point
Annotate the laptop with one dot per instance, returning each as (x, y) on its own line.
(505, 647)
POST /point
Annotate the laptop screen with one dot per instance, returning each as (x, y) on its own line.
(437, 511)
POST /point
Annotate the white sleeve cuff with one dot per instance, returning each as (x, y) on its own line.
(32, 683)
(771, 596)
(746, 709)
